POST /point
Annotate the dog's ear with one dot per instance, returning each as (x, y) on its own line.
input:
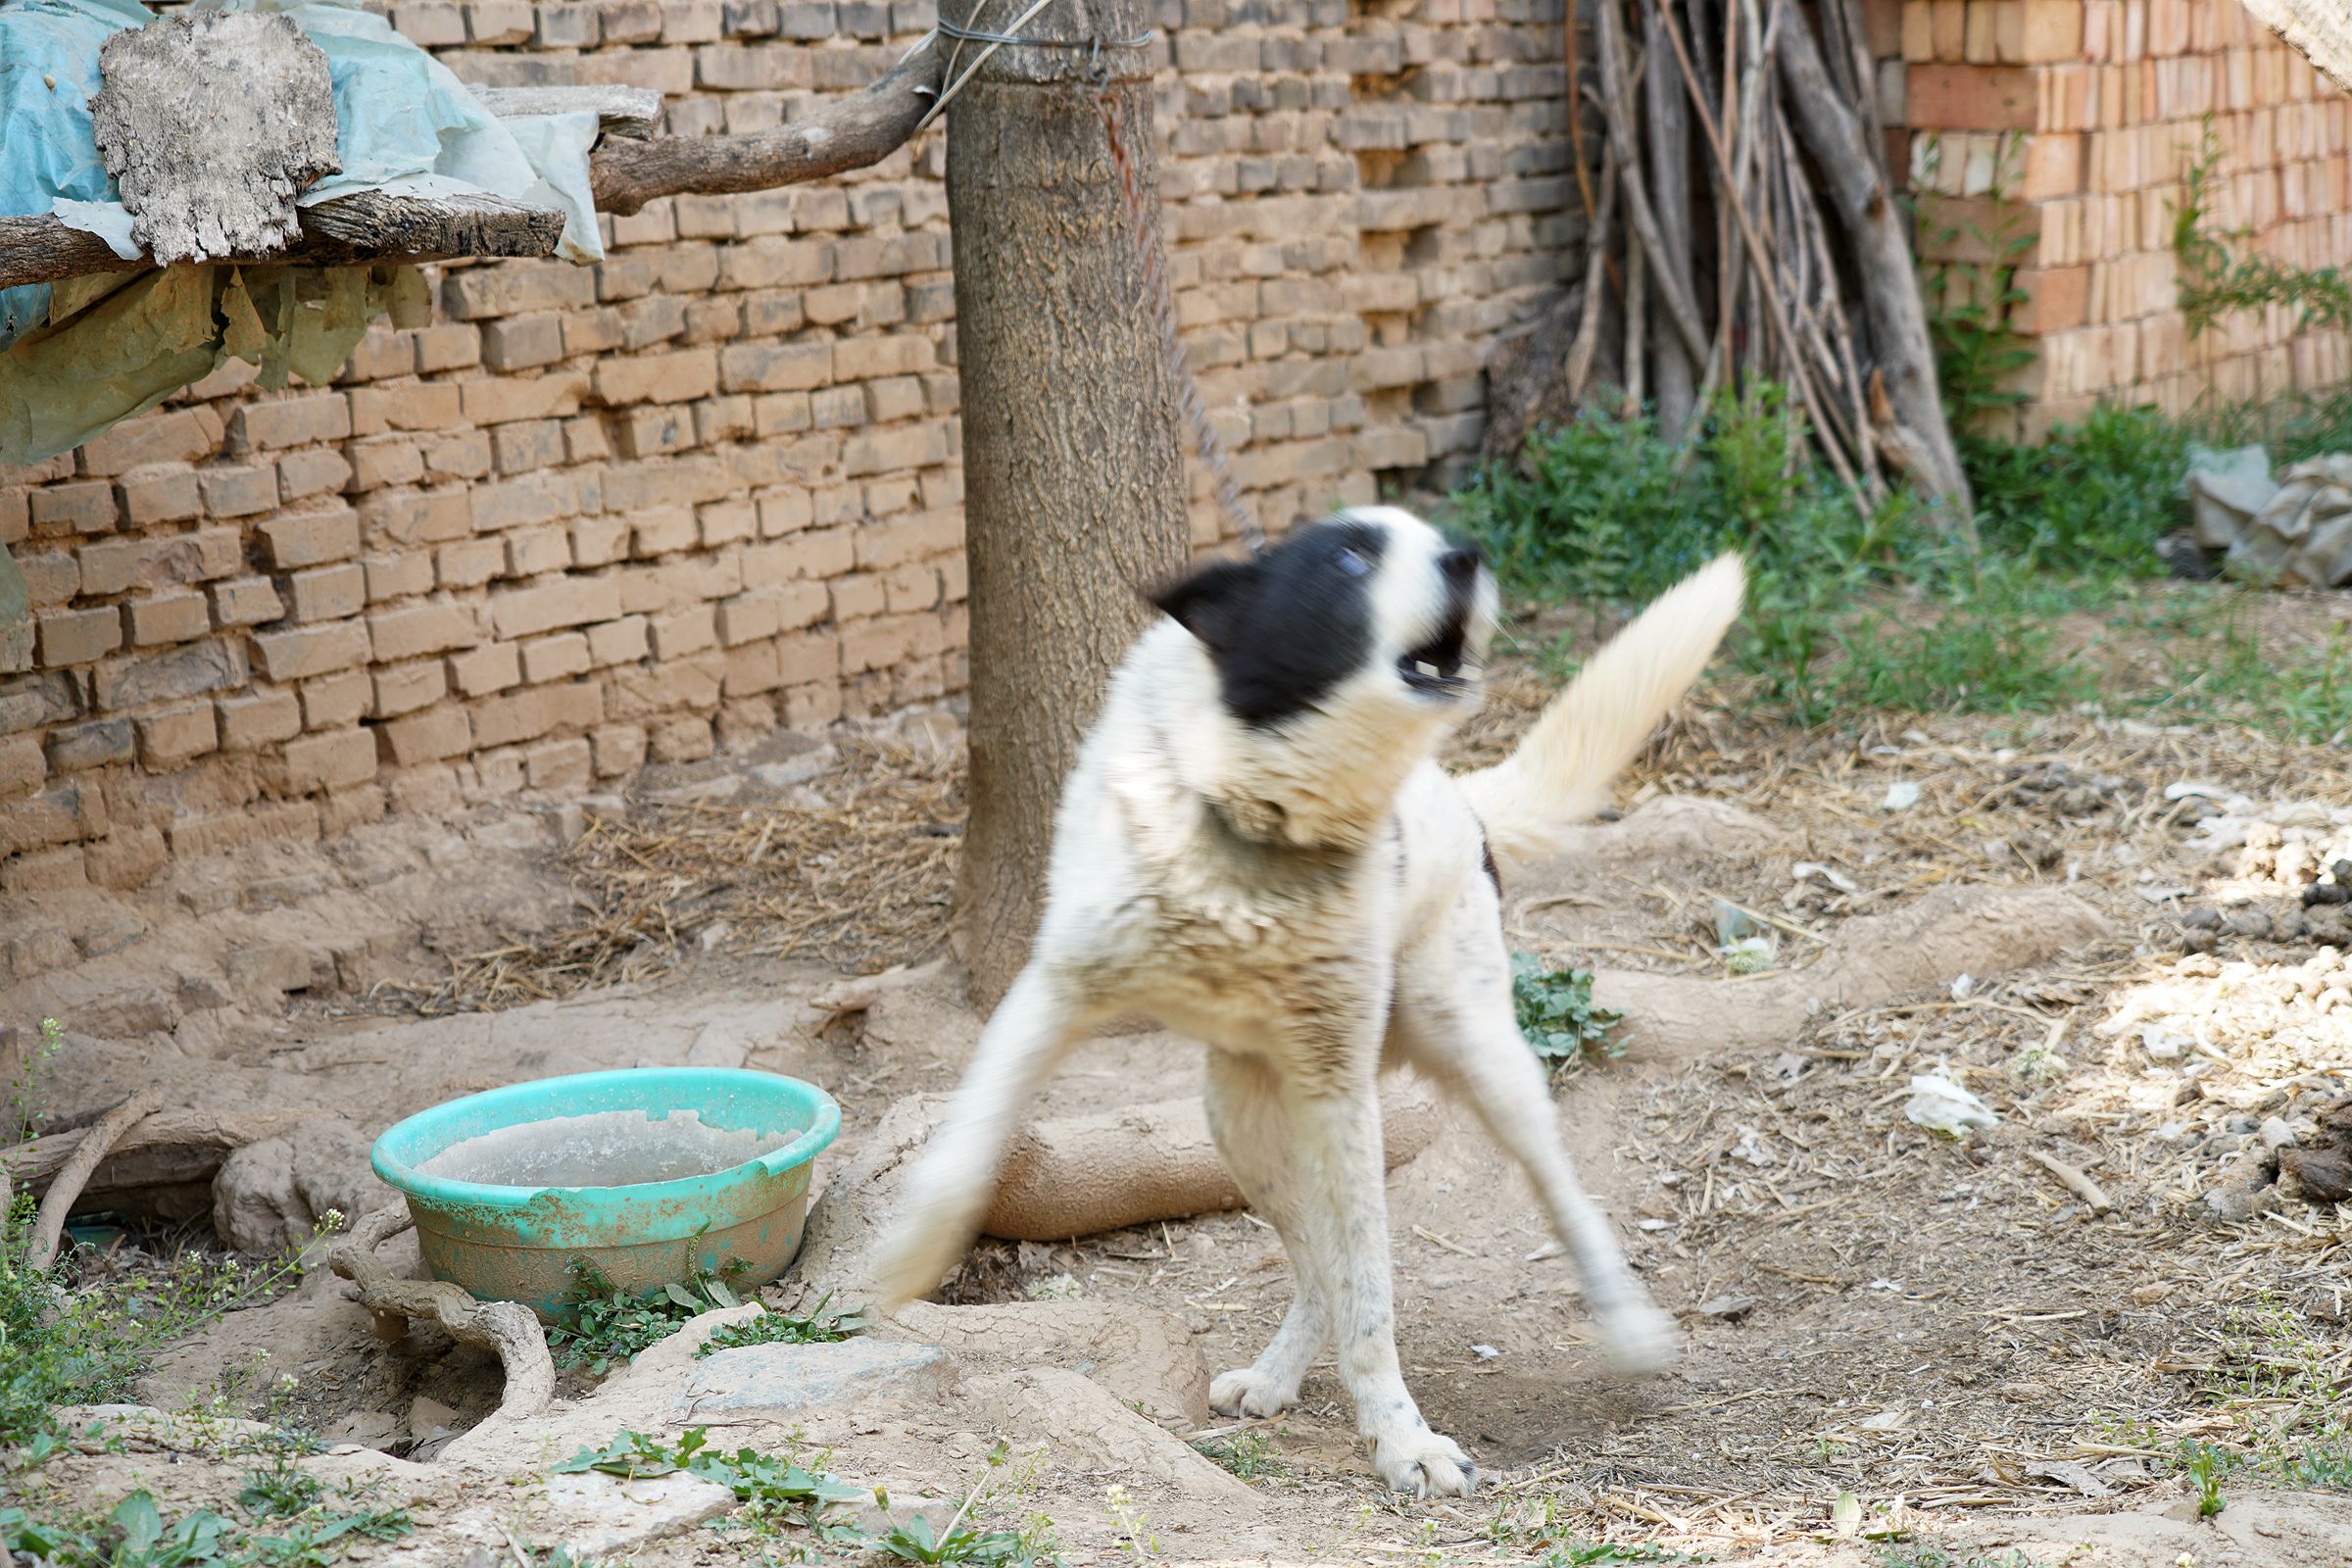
(1207, 602)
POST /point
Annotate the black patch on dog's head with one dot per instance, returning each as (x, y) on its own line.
(1288, 625)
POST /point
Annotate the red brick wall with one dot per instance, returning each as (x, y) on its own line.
(594, 515)
(2095, 107)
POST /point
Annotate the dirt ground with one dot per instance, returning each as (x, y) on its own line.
(1948, 1329)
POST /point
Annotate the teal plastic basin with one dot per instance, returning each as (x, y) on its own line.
(517, 1244)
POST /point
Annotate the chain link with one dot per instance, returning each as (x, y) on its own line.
(1161, 302)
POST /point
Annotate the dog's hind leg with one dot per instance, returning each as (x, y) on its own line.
(1252, 1131)
(1452, 1020)
(1032, 1030)
(1346, 1209)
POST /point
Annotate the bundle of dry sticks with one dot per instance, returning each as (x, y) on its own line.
(1743, 227)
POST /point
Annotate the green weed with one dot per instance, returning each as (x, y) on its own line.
(1927, 1554)
(288, 1524)
(1246, 1455)
(771, 1327)
(65, 1343)
(1557, 1013)
(2205, 1465)
(1980, 349)
(601, 1323)
(2216, 280)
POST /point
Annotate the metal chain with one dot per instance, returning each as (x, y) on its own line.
(1161, 302)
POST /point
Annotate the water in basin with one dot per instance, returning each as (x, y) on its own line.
(604, 1149)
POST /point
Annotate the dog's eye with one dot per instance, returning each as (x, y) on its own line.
(1353, 564)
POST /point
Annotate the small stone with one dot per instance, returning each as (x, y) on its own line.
(782, 1380)
(1729, 1307)
(369, 1429)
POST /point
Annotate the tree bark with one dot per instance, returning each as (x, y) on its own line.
(1670, 187)
(2320, 30)
(1073, 492)
(1852, 177)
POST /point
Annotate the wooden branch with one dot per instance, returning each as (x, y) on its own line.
(2073, 1181)
(366, 226)
(36, 1163)
(509, 1329)
(49, 1225)
(1618, 116)
(630, 112)
(1877, 230)
(2320, 30)
(848, 133)
(1587, 342)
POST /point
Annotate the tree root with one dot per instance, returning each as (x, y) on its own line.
(49, 1225)
(507, 1327)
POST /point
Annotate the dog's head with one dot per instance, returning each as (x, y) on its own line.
(1343, 655)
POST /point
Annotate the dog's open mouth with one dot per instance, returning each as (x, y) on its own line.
(1436, 667)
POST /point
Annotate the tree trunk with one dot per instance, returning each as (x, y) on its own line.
(1670, 187)
(1852, 174)
(1073, 492)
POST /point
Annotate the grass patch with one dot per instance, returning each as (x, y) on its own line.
(1245, 1455)
(1885, 610)
(286, 1519)
(64, 1341)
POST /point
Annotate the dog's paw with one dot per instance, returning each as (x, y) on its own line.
(1638, 1340)
(1245, 1392)
(1425, 1463)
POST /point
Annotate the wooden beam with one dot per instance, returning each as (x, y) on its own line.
(629, 112)
(2320, 30)
(848, 132)
(368, 226)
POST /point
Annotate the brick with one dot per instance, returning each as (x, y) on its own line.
(555, 658)
(310, 538)
(78, 636)
(618, 642)
(405, 688)
(658, 377)
(252, 721)
(431, 736)
(412, 631)
(289, 421)
(168, 617)
(598, 541)
(663, 531)
(617, 749)
(328, 593)
(166, 497)
(470, 562)
(52, 577)
(23, 767)
(334, 762)
(566, 26)
(533, 552)
(491, 667)
(130, 857)
(315, 470)
(177, 435)
(308, 650)
(336, 702)
(510, 720)
(572, 602)
(177, 735)
(238, 491)
(192, 669)
(416, 405)
(1943, 97)
(245, 602)
(775, 367)
(398, 576)
(46, 871)
(63, 814)
(552, 395)
(559, 764)
(429, 23)
(517, 289)
(86, 506)
(94, 743)
(522, 342)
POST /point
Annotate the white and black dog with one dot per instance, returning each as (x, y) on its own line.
(1257, 849)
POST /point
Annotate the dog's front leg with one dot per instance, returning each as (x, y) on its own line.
(1337, 1123)
(1033, 1028)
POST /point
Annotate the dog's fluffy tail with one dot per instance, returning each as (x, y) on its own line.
(1562, 772)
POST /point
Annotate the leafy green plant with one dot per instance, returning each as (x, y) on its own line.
(307, 1532)
(1246, 1455)
(2205, 1465)
(820, 1327)
(23, 1094)
(914, 1542)
(2216, 280)
(1927, 1554)
(1575, 1553)
(1556, 1011)
(601, 1323)
(1974, 304)
(65, 1342)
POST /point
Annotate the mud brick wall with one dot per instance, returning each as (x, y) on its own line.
(2072, 122)
(592, 516)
